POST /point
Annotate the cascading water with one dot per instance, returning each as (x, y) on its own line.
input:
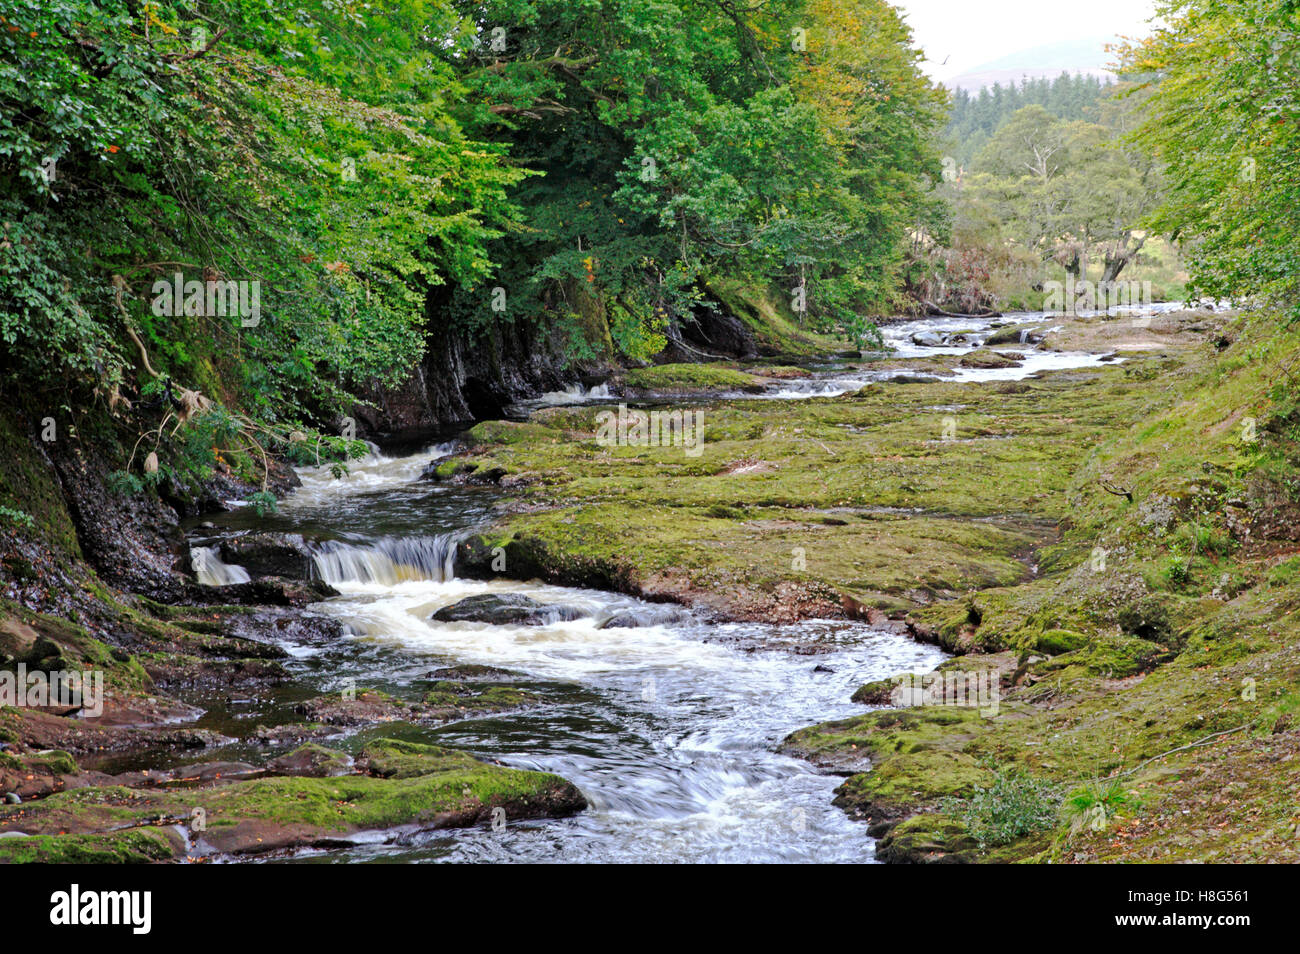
(575, 394)
(941, 336)
(387, 561)
(669, 724)
(211, 571)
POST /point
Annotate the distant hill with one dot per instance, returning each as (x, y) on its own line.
(1080, 56)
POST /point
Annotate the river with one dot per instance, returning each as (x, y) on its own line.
(669, 729)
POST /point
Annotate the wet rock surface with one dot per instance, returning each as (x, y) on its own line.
(506, 609)
(445, 701)
(284, 555)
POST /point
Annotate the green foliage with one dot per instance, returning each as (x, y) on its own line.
(1044, 198)
(975, 118)
(18, 517)
(1178, 571)
(1015, 805)
(1067, 189)
(1223, 119)
(308, 150)
(263, 502)
(677, 139)
(350, 178)
(1279, 716)
(124, 483)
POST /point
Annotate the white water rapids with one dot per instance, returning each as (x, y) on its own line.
(668, 729)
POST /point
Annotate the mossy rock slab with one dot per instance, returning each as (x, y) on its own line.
(423, 787)
(687, 378)
(134, 846)
(1054, 642)
(446, 701)
(898, 785)
(846, 743)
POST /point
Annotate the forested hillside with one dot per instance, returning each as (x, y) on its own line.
(975, 117)
(389, 175)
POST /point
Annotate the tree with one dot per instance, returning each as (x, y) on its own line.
(785, 143)
(1067, 188)
(1224, 83)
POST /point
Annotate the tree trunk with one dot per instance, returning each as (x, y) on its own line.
(1118, 256)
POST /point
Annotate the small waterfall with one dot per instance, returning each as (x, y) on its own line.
(445, 449)
(1024, 335)
(387, 561)
(211, 571)
(575, 394)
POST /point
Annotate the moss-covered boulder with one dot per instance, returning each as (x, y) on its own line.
(929, 838)
(445, 701)
(881, 692)
(686, 379)
(313, 761)
(1054, 642)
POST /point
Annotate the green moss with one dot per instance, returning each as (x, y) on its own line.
(76, 648)
(421, 785)
(687, 377)
(879, 735)
(510, 432)
(863, 485)
(29, 485)
(137, 846)
(447, 469)
(898, 784)
(927, 838)
(313, 759)
(394, 758)
(488, 699)
(767, 316)
(877, 693)
(55, 762)
(1057, 641)
(1110, 657)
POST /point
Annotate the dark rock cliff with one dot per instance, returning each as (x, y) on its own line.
(465, 377)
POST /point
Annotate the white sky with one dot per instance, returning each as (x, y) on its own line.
(970, 33)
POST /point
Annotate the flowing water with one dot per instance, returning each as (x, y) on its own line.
(953, 336)
(669, 728)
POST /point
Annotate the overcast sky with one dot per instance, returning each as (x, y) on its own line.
(970, 33)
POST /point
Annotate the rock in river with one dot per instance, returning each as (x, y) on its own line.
(269, 554)
(506, 609)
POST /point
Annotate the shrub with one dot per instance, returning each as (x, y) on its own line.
(1015, 805)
